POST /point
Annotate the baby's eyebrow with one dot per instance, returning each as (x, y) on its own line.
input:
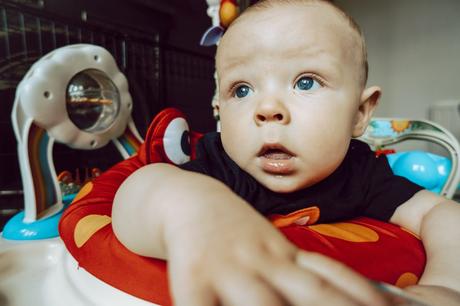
(234, 62)
(304, 50)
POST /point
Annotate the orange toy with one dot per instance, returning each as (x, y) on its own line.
(228, 11)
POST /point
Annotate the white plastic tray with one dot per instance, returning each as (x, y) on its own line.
(43, 273)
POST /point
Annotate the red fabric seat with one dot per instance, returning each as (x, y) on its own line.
(378, 250)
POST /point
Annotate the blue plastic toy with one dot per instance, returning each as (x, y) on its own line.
(436, 173)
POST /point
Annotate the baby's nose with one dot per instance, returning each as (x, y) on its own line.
(270, 117)
(275, 112)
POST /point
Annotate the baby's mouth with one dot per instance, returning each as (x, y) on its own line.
(275, 152)
(276, 160)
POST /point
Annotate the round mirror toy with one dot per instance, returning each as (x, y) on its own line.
(92, 101)
(75, 95)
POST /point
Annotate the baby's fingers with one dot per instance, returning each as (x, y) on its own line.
(341, 277)
(194, 296)
(299, 287)
(191, 290)
(238, 289)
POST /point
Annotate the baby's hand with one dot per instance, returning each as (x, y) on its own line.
(244, 260)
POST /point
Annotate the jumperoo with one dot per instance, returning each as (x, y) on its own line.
(62, 248)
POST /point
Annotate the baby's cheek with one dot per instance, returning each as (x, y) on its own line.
(234, 143)
(325, 151)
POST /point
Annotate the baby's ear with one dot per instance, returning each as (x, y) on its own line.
(369, 100)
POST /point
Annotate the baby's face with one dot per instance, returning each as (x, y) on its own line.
(289, 94)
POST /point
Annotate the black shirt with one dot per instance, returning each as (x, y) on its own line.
(363, 185)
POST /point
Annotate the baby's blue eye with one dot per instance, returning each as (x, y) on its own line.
(242, 91)
(307, 83)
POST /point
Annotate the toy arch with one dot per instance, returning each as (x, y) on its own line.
(386, 131)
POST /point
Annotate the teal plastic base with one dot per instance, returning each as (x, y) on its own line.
(17, 229)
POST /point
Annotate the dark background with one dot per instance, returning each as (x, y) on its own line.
(155, 43)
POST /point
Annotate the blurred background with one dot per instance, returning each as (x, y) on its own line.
(414, 49)
(413, 46)
(155, 44)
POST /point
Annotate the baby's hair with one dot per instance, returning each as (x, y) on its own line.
(265, 4)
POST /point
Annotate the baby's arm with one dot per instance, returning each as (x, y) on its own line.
(220, 251)
(437, 221)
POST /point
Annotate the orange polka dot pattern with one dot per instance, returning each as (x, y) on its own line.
(406, 279)
(378, 250)
(84, 191)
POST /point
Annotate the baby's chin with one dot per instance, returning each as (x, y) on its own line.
(285, 183)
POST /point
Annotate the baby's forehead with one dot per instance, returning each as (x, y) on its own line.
(286, 10)
(284, 27)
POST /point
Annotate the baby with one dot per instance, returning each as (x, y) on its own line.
(292, 95)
